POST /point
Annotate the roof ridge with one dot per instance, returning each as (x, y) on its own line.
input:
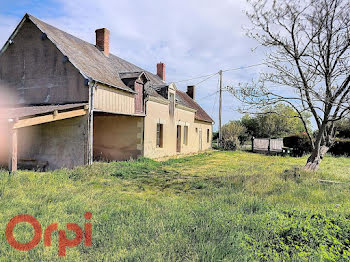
(140, 68)
(60, 39)
(79, 39)
(56, 28)
(92, 63)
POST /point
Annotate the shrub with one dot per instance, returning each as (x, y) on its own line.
(215, 135)
(340, 147)
(300, 143)
(229, 144)
(275, 121)
(343, 128)
(231, 133)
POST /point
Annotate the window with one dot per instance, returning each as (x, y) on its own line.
(185, 135)
(208, 135)
(159, 135)
(172, 104)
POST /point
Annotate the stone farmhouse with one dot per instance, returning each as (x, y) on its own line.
(66, 102)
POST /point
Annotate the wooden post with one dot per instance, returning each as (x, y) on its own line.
(220, 109)
(269, 147)
(252, 144)
(13, 150)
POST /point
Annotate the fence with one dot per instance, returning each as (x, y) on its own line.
(267, 145)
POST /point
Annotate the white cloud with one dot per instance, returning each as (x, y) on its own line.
(192, 37)
(7, 26)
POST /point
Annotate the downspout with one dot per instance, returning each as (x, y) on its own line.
(92, 85)
(144, 121)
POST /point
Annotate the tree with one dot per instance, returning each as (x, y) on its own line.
(308, 43)
(343, 128)
(231, 132)
(275, 121)
(252, 125)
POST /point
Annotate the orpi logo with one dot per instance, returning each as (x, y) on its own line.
(63, 241)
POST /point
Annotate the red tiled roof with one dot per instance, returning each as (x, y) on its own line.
(185, 100)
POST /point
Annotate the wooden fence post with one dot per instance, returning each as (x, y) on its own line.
(252, 144)
(269, 147)
(13, 150)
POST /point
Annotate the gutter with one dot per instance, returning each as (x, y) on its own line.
(158, 100)
(116, 87)
(190, 109)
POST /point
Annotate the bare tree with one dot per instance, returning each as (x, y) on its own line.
(308, 45)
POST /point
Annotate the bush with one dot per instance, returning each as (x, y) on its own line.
(230, 135)
(343, 128)
(229, 144)
(215, 135)
(300, 143)
(340, 147)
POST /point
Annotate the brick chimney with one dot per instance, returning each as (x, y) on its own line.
(102, 40)
(161, 70)
(191, 91)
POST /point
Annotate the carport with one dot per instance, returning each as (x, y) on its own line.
(51, 129)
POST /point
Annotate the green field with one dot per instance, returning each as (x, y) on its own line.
(219, 206)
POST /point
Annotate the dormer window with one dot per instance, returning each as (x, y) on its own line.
(136, 81)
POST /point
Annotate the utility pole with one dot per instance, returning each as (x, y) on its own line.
(220, 109)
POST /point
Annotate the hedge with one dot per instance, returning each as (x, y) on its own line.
(341, 147)
(300, 143)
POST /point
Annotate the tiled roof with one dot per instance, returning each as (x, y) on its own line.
(92, 63)
(124, 75)
(89, 60)
(184, 99)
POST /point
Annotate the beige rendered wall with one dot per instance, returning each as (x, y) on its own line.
(63, 144)
(159, 113)
(112, 100)
(117, 137)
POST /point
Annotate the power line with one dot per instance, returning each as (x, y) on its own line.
(208, 96)
(206, 79)
(243, 67)
(213, 74)
(194, 78)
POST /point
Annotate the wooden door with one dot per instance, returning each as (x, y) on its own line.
(178, 139)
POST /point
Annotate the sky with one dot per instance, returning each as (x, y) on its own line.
(192, 37)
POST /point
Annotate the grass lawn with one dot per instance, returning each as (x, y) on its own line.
(219, 206)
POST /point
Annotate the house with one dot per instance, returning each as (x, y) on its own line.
(68, 103)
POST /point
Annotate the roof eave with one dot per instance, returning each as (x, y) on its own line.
(14, 33)
(113, 86)
(27, 16)
(180, 106)
(207, 121)
(80, 71)
(57, 46)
